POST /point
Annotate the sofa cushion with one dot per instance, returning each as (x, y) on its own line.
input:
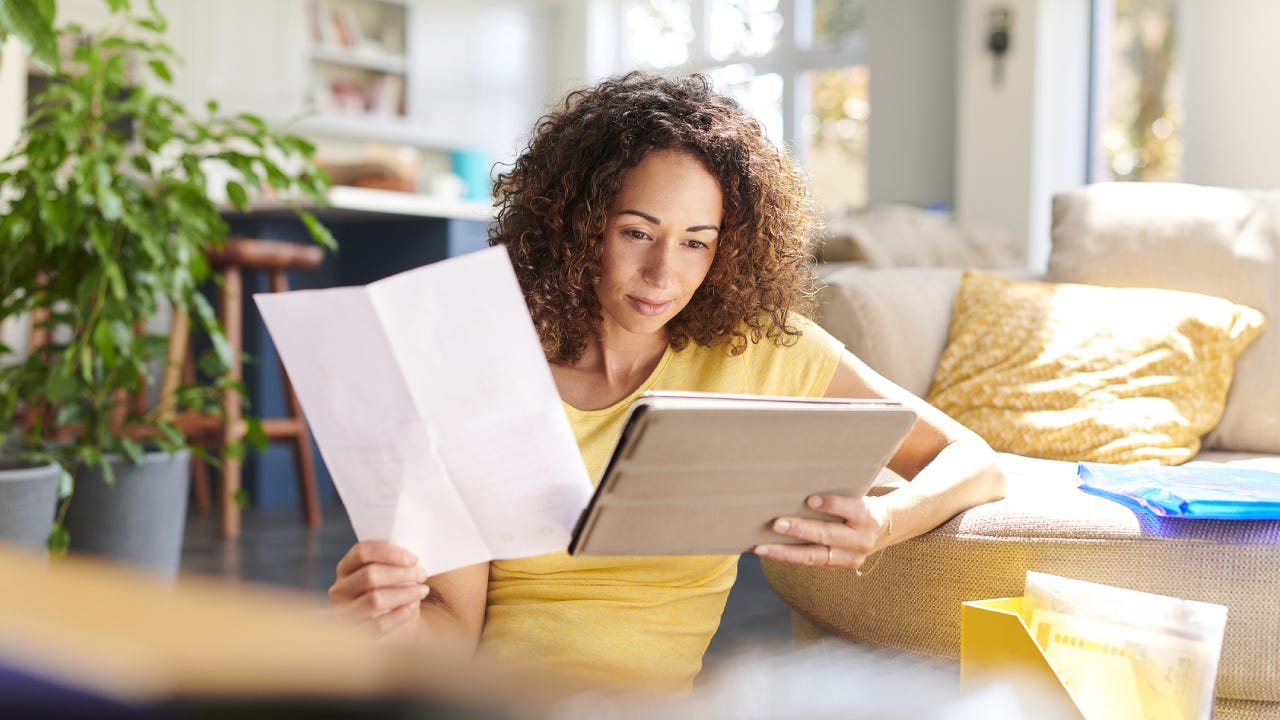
(1079, 372)
(1215, 241)
(894, 320)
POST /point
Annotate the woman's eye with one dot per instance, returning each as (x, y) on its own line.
(637, 234)
(698, 244)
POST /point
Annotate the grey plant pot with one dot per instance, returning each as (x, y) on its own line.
(28, 500)
(141, 520)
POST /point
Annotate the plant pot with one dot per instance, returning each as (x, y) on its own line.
(28, 500)
(141, 520)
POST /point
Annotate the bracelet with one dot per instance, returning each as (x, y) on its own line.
(874, 558)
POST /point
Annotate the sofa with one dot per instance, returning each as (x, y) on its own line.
(1213, 241)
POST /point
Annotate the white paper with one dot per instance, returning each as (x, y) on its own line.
(435, 411)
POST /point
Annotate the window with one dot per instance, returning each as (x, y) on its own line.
(798, 67)
(1139, 88)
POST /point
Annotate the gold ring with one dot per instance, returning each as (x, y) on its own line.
(829, 556)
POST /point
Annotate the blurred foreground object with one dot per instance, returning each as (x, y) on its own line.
(84, 638)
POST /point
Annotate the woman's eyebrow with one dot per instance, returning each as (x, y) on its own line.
(656, 221)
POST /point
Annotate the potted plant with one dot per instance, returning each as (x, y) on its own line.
(105, 219)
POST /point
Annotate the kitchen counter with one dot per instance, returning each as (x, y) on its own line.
(347, 203)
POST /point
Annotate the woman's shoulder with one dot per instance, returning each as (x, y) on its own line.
(799, 334)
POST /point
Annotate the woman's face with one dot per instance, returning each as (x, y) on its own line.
(659, 241)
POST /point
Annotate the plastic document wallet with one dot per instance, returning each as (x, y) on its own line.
(1209, 492)
(706, 474)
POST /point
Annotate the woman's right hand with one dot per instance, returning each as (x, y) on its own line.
(381, 586)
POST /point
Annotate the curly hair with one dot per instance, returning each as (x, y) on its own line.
(554, 201)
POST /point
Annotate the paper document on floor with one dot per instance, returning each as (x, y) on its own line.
(435, 410)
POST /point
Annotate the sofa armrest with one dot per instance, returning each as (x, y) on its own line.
(895, 319)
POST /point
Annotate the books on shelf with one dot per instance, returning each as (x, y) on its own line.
(357, 60)
(381, 96)
(334, 25)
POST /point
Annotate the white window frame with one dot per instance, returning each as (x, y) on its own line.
(794, 56)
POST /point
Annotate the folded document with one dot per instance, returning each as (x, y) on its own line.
(435, 410)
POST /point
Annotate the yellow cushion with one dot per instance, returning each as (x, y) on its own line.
(1081, 372)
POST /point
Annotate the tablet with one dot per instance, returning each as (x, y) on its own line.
(706, 474)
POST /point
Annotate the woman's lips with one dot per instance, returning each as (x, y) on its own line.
(648, 307)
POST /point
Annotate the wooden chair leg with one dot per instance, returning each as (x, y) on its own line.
(182, 356)
(307, 477)
(200, 485)
(231, 314)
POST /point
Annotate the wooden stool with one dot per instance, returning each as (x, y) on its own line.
(232, 259)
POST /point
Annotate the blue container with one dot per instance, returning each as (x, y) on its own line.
(473, 167)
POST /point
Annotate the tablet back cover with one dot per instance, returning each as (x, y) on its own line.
(700, 474)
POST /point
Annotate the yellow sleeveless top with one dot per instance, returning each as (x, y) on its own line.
(640, 622)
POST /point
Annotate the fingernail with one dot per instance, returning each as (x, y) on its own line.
(782, 525)
(419, 574)
(815, 501)
(424, 590)
(761, 550)
(410, 559)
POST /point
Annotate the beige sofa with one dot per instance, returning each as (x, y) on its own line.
(1213, 241)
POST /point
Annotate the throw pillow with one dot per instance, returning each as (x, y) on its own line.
(1216, 241)
(1079, 372)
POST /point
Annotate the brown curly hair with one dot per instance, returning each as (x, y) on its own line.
(555, 199)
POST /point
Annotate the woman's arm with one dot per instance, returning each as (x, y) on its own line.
(950, 468)
(380, 585)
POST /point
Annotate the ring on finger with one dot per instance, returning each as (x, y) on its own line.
(830, 555)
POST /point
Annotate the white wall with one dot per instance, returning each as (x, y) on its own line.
(911, 51)
(1232, 94)
(1022, 139)
(13, 93)
(490, 67)
(586, 48)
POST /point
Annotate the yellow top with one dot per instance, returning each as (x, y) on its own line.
(641, 622)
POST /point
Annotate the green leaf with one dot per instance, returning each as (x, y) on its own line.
(161, 70)
(60, 387)
(66, 484)
(118, 5)
(241, 498)
(70, 413)
(109, 203)
(254, 434)
(32, 24)
(319, 232)
(236, 193)
(104, 343)
(258, 123)
(59, 540)
(86, 364)
(132, 450)
(115, 281)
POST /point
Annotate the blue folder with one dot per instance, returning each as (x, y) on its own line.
(1207, 492)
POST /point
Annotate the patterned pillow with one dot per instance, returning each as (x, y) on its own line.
(1080, 372)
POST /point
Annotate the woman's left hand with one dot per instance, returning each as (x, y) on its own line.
(858, 528)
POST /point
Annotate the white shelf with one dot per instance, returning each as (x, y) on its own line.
(373, 60)
(369, 201)
(383, 128)
(391, 202)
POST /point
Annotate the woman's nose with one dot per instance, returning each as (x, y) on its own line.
(657, 267)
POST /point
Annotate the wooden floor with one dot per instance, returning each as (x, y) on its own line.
(276, 548)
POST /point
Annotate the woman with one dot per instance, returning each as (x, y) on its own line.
(661, 241)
